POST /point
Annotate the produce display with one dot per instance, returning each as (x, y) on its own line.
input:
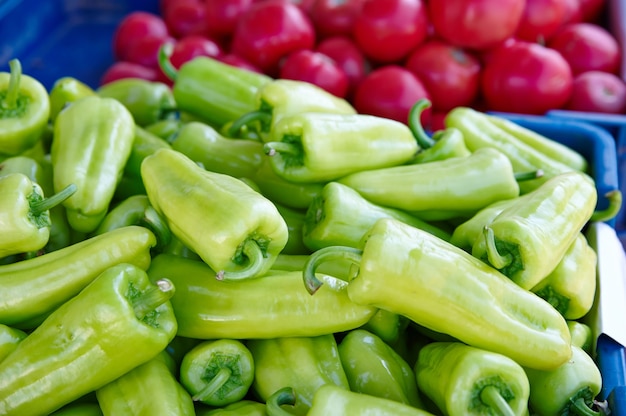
(206, 234)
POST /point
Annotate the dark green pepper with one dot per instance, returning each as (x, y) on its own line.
(304, 363)
(241, 408)
(144, 144)
(116, 323)
(464, 380)
(93, 139)
(373, 367)
(233, 228)
(217, 372)
(79, 409)
(165, 129)
(410, 272)
(65, 91)
(387, 325)
(295, 220)
(24, 111)
(9, 339)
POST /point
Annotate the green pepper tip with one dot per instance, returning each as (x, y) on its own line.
(579, 407)
(415, 123)
(283, 396)
(495, 258)
(615, 204)
(41, 205)
(165, 51)
(490, 395)
(253, 251)
(152, 298)
(10, 99)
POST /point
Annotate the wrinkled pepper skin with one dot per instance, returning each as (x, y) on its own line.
(531, 236)
(571, 286)
(320, 147)
(459, 379)
(410, 272)
(33, 288)
(442, 189)
(9, 339)
(304, 363)
(373, 367)
(24, 111)
(276, 305)
(65, 91)
(233, 228)
(149, 389)
(574, 384)
(92, 142)
(119, 321)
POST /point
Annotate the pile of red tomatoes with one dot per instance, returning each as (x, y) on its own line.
(522, 56)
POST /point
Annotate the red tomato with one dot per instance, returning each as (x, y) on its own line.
(451, 74)
(191, 46)
(145, 51)
(388, 30)
(391, 91)
(222, 15)
(592, 9)
(270, 30)
(476, 24)
(526, 77)
(599, 92)
(541, 19)
(136, 26)
(587, 47)
(573, 12)
(347, 56)
(316, 68)
(333, 18)
(124, 69)
(186, 17)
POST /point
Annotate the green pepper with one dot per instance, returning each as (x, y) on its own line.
(284, 97)
(435, 284)
(571, 286)
(60, 230)
(93, 139)
(295, 220)
(165, 129)
(241, 408)
(441, 189)
(568, 389)
(203, 144)
(275, 305)
(373, 367)
(233, 228)
(33, 288)
(217, 372)
(304, 363)
(65, 91)
(24, 214)
(340, 216)
(211, 90)
(464, 380)
(386, 325)
(297, 262)
(25, 165)
(148, 389)
(9, 339)
(582, 335)
(320, 147)
(144, 144)
(529, 238)
(331, 400)
(24, 110)
(79, 409)
(147, 101)
(119, 321)
(480, 131)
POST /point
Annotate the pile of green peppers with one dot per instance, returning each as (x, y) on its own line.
(241, 245)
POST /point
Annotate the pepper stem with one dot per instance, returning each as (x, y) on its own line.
(253, 252)
(10, 100)
(415, 124)
(271, 148)
(216, 383)
(285, 395)
(615, 204)
(43, 205)
(579, 407)
(498, 260)
(528, 176)
(260, 115)
(165, 51)
(152, 220)
(491, 396)
(152, 298)
(311, 282)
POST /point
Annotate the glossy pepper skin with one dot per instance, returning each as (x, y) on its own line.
(571, 286)
(340, 216)
(65, 91)
(464, 380)
(9, 339)
(24, 110)
(442, 189)
(276, 305)
(582, 335)
(529, 238)
(410, 272)
(93, 139)
(217, 372)
(33, 288)
(373, 367)
(118, 322)
(147, 101)
(233, 228)
(149, 389)
(320, 147)
(25, 214)
(304, 363)
(571, 386)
